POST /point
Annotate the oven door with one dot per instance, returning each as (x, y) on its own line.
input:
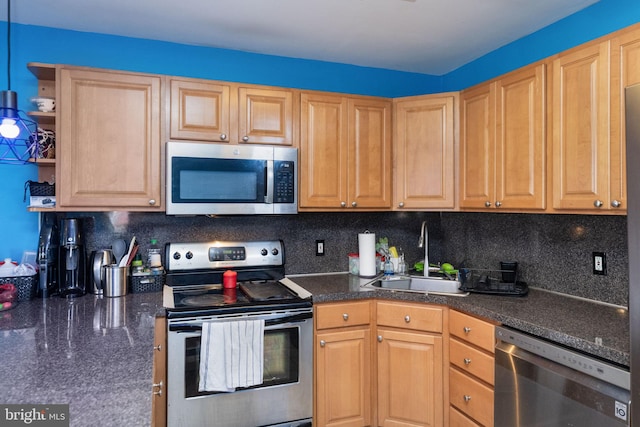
(285, 396)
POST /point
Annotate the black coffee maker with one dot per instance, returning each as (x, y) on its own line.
(71, 259)
(48, 255)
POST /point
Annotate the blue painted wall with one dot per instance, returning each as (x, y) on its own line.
(19, 230)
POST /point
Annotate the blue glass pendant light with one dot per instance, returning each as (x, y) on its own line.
(18, 133)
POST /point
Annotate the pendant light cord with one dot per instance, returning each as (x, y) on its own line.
(9, 44)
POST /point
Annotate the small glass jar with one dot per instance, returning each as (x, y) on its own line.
(354, 264)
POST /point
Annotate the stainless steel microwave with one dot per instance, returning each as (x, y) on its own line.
(217, 179)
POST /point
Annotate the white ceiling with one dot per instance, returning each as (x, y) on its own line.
(423, 36)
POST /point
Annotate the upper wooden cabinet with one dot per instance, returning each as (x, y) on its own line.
(580, 128)
(109, 140)
(345, 152)
(425, 135)
(199, 110)
(224, 112)
(502, 149)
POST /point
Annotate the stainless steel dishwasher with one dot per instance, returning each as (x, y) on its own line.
(541, 384)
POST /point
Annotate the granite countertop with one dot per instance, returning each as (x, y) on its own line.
(600, 330)
(93, 353)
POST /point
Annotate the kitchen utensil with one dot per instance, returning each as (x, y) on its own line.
(124, 261)
(116, 280)
(119, 248)
(98, 259)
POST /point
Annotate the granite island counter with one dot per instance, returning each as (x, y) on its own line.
(93, 353)
(598, 329)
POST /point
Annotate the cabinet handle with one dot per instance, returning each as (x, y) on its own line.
(379, 338)
(157, 392)
(354, 204)
(343, 204)
(467, 361)
(401, 205)
(407, 318)
(158, 347)
(466, 329)
(245, 138)
(152, 202)
(498, 203)
(598, 203)
(467, 398)
(487, 204)
(616, 204)
(223, 136)
(323, 343)
(345, 316)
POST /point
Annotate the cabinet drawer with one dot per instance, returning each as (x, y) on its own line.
(418, 317)
(457, 419)
(471, 397)
(342, 314)
(472, 330)
(471, 360)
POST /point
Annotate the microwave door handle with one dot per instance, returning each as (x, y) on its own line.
(268, 172)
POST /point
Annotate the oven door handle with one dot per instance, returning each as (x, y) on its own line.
(188, 327)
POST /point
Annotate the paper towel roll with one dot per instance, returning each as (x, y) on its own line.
(367, 247)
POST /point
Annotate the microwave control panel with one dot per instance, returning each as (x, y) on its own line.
(284, 181)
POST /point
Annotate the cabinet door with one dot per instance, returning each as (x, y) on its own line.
(424, 144)
(410, 379)
(323, 151)
(477, 147)
(159, 398)
(581, 128)
(200, 111)
(265, 116)
(369, 164)
(520, 140)
(625, 71)
(110, 147)
(343, 378)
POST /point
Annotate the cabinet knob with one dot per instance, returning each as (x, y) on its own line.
(467, 398)
(407, 318)
(354, 204)
(467, 361)
(598, 203)
(498, 203)
(157, 347)
(345, 316)
(466, 329)
(379, 338)
(159, 385)
(152, 202)
(487, 204)
(323, 343)
(343, 204)
(223, 136)
(401, 205)
(245, 138)
(616, 204)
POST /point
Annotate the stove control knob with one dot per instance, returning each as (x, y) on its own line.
(189, 255)
(176, 255)
(264, 252)
(274, 251)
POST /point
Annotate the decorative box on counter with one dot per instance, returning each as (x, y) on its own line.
(27, 286)
(147, 283)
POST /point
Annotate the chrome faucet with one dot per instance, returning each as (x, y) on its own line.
(424, 242)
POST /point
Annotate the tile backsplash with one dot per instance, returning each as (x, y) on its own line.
(553, 251)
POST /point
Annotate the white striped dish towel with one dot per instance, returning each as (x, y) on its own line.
(231, 355)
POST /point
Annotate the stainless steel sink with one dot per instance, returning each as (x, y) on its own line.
(421, 284)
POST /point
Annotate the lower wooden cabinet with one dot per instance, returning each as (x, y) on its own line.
(159, 396)
(471, 371)
(342, 376)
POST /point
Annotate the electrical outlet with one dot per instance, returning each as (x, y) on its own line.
(319, 247)
(599, 262)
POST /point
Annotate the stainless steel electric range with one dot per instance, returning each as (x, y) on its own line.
(194, 294)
